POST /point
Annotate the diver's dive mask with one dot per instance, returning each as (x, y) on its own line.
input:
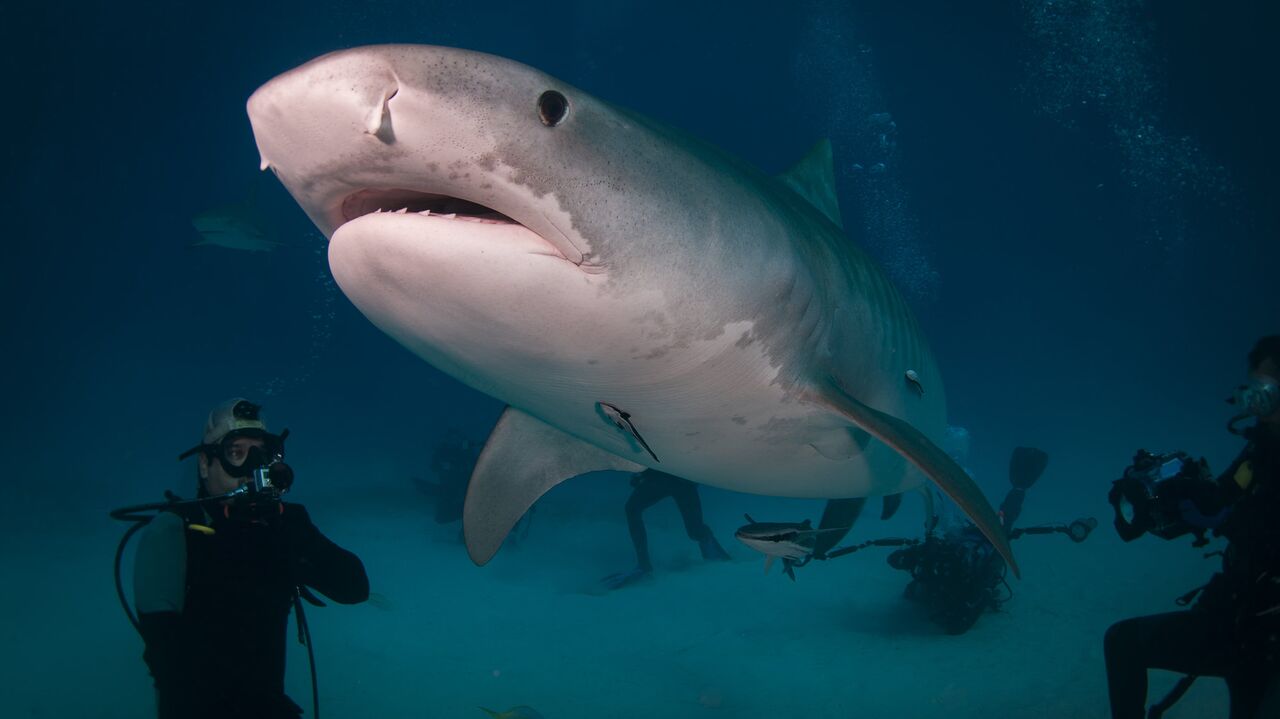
(243, 459)
(1259, 398)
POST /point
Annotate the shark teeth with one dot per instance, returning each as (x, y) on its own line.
(442, 215)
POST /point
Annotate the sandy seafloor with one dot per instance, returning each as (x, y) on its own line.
(696, 640)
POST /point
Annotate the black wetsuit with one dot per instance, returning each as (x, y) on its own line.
(222, 654)
(651, 487)
(1223, 635)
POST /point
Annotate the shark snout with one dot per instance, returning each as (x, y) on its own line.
(304, 117)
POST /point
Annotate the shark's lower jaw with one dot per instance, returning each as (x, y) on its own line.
(373, 201)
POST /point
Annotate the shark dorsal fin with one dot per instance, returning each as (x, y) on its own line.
(814, 179)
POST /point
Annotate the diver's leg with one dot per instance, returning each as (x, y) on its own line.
(645, 495)
(1269, 704)
(685, 493)
(1191, 642)
(1248, 688)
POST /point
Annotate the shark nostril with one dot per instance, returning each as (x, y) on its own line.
(378, 122)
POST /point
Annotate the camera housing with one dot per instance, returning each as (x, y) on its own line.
(1153, 493)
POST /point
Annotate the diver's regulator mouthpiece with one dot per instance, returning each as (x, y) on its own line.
(1259, 398)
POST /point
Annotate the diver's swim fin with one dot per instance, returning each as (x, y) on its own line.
(523, 458)
(1026, 464)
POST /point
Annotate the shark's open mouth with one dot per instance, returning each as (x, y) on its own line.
(367, 202)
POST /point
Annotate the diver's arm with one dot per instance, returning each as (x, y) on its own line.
(1234, 483)
(319, 563)
(159, 590)
(1211, 509)
(1194, 515)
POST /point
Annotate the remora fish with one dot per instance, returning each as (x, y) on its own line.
(791, 542)
(558, 252)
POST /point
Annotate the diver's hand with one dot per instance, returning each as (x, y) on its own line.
(622, 579)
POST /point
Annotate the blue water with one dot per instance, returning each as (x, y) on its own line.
(1077, 198)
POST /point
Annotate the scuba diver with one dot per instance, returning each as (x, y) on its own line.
(956, 574)
(215, 577)
(1233, 630)
(649, 488)
(451, 462)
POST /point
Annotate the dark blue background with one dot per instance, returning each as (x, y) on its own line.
(1063, 314)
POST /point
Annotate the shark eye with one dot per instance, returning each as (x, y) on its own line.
(552, 108)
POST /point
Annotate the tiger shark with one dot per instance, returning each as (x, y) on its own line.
(636, 296)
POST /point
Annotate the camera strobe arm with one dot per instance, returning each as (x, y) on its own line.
(888, 542)
(1078, 530)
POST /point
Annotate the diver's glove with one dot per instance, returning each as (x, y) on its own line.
(622, 579)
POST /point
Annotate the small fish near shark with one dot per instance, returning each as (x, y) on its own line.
(629, 291)
(233, 228)
(792, 542)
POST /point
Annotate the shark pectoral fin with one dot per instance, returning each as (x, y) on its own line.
(523, 458)
(837, 519)
(814, 179)
(768, 563)
(935, 463)
(891, 504)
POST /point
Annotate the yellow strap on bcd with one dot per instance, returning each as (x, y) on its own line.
(1244, 475)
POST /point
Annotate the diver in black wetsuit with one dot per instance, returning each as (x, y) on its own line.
(214, 588)
(1233, 631)
(651, 487)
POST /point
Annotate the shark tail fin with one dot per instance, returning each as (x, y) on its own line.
(936, 464)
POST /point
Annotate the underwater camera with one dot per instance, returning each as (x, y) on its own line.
(1154, 492)
(259, 497)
